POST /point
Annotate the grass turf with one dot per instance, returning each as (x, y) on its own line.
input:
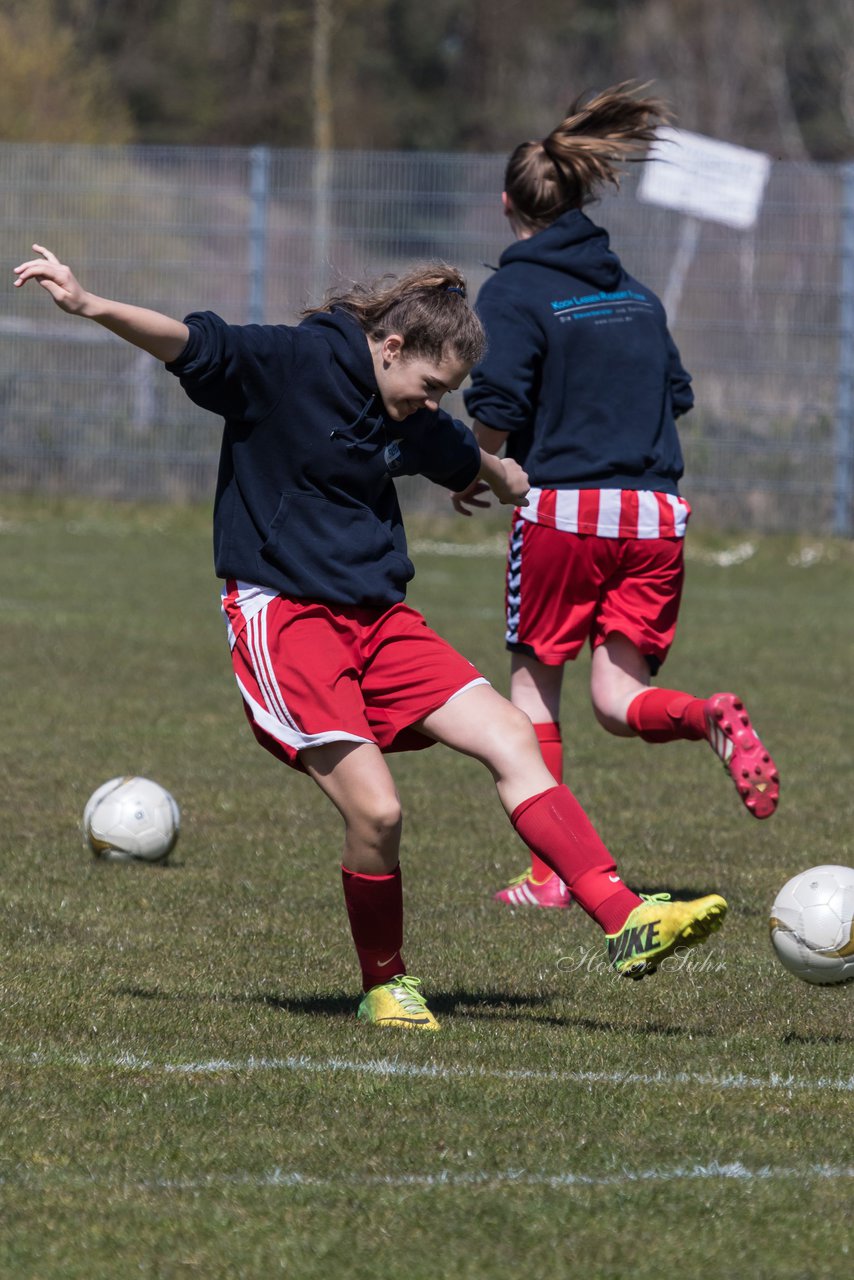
(185, 1090)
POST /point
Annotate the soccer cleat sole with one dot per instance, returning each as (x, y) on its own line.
(748, 762)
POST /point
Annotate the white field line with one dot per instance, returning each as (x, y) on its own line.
(464, 550)
(497, 546)
(394, 1067)
(733, 1171)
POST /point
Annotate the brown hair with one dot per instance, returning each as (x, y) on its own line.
(587, 149)
(427, 306)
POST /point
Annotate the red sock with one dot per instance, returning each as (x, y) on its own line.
(375, 908)
(665, 715)
(551, 745)
(554, 824)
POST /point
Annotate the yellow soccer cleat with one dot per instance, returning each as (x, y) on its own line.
(658, 928)
(397, 1003)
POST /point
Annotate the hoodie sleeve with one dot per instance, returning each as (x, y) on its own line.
(681, 395)
(505, 385)
(438, 447)
(237, 371)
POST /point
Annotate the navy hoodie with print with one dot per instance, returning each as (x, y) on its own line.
(305, 499)
(580, 368)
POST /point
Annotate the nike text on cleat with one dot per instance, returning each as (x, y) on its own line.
(525, 892)
(397, 1003)
(658, 928)
(733, 738)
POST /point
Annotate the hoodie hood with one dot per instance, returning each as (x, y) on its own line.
(574, 245)
(343, 333)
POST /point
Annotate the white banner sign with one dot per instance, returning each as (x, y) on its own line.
(706, 178)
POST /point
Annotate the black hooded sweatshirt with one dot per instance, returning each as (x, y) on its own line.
(305, 499)
(580, 368)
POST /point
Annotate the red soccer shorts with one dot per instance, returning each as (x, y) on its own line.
(564, 589)
(311, 673)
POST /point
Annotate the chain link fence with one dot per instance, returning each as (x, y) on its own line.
(764, 317)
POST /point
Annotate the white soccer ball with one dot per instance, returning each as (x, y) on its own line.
(812, 925)
(131, 820)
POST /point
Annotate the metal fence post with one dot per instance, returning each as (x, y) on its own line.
(843, 488)
(320, 222)
(259, 195)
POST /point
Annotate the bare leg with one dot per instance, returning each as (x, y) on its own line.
(483, 724)
(358, 782)
(618, 673)
(535, 688)
(546, 815)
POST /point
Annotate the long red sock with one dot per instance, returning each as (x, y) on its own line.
(554, 824)
(375, 908)
(666, 715)
(551, 745)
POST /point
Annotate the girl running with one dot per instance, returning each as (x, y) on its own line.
(583, 384)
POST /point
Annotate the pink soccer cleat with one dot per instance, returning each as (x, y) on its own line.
(733, 738)
(525, 892)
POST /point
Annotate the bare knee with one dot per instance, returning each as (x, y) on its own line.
(612, 721)
(511, 741)
(517, 730)
(375, 819)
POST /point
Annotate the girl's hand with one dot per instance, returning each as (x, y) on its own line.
(470, 497)
(151, 331)
(56, 278)
(509, 482)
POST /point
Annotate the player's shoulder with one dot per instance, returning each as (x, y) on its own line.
(509, 285)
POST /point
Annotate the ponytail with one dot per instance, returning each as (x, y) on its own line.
(588, 149)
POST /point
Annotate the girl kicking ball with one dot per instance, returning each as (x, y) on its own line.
(335, 670)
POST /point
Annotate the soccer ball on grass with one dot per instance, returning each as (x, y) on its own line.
(131, 819)
(812, 925)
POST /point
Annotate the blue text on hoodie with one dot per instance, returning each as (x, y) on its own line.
(580, 367)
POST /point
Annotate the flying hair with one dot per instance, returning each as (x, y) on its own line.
(427, 306)
(586, 151)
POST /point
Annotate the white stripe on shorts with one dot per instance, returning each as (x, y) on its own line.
(566, 508)
(288, 734)
(273, 715)
(648, 514)
(262, 665)
(610, 506)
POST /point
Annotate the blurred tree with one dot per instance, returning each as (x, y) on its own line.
(48, 93)
(203, 71)
(820, 58)
(724, 67)
(473, 75)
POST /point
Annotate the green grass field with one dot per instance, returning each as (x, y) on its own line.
(185, 1089)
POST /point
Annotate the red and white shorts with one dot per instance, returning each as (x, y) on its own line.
(563, 589)
(311, 673)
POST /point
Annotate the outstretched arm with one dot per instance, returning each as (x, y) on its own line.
(160, 335)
